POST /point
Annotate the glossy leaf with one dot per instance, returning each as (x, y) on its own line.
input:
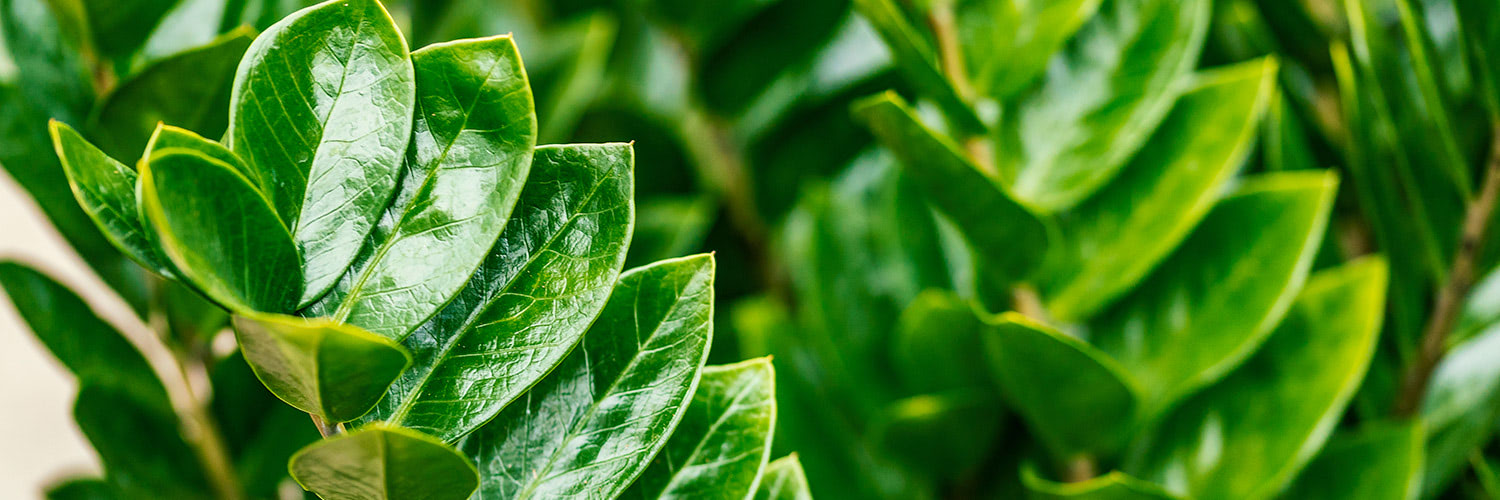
(1250, 434)
(938, 345)
(1100, 100)
(518, 317)
(1211, 304)
(1007, 235)
(1115, 485)
(1461, 406)
(1060, 385)
(1377, 463)
(329, 135)
(944, 436)
(595, 422)
(723, 441)
(382, 462)
(783, 479)
(329, 369)
(217, 229)
(106, 190)
(141, 447)
(1119, 235)
(470, 154)
(1028, 33)
(189, 90)
(916, 57)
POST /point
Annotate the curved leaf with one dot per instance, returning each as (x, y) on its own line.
(1027, 33)
(1100, 100)
(1120, 234)
(217, 229)
(1378, 463)
(1115, 485)
(1250, 434)
(470, 154)
(1211, 304)
(322, 107)
(81, 488)
(119, 27)
(381, 462)
(141, 447)
(724, 440)
(938, 345)
(328, 369)
(916, 57)
(1461, 406)
(592, 426)
(518, 317)
(783, 479)
(106, 190)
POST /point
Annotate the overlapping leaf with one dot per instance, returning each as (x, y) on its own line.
(1378, 463)
(382, 462)
(329, 369)
(783, 479)
(106, 190)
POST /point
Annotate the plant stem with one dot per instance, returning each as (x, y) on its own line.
(1451, 296)
(1080, 468)
(323, 427)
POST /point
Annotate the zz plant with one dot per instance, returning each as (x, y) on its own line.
(401, 262)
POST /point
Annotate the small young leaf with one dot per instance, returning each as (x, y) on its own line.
(141, 447)
(1115, 485)
(1378, 463)
(595, 422)
(322, 107)
(106, 190)
(328, 369)
(783, 479)
(384, 462)
(724, 440)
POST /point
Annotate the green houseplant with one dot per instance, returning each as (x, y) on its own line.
(399, 260)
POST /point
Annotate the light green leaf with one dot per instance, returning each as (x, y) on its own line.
(724, 440)
(1061, 385)
(106, 190)
(945, 436)
(1376, 463)
(938, 345)
(142, 450)
(519, 317)
(1113, 240)
(383, 462)
(189, 90)
(783, 479)
(918, 59)
(1250, 434)
(1211, 304)
(592, 426)
(1115, 485)
(1028, 34)
(1007, 235)
(1100, 100)
(1461, 406)
(322, 107)
(216, 227)
(470, 154)
(329, 369)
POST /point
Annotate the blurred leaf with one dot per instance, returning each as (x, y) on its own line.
(1027, 33)
(120, 27)
(1480, 21)
(57, 75)
(594, 424)
(81, 488)
(1250, 434)
(1285, 139)
(328, 369)
(260, 432)
(945, 436)
(142, 450)
(938, 345)
(785, 37)
(1115, 238)
(1460, 407)
(1115, 485)
(383, 462)
(668, 226)
(1376, 463)
(918, 59)
(106, 190)
(783, 479)
(1100, 100)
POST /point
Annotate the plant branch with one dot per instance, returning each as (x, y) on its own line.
(1451, 296)
(323, 427)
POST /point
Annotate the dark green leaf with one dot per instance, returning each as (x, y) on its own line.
(57, 78)
(322, 107)
(944, 436)
(328, 369)
(106, 190)
(120, 27)
(1027, 33)
(938, 345)
(260, 433)
(470, 153)
(1100, 100)
(916, 57)
(783, 479)
(1377, 463)
(668, 226)
(383, 462)
(592, 426)
(1480, 20)
(724, 440)
(1116, 237)
(1115, 485)
(81, 488)
(532, 298)
(141, 447)
(1250, 434)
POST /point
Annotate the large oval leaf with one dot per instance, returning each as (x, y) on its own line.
(106, 190)
(1121, 233)
(382, 462)
(470, 153)
(1100, 99)
(530, 301)
(592, 426)
(1379, 463)
(724, 440)
(328, 369)
(1216, 299)
(322, 107)
(1250, 434)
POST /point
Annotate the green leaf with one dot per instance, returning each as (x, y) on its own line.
(1027, 33)
(57, 79)
(189, 90)
(592, 426)
(724, 440)
(668, 226)
(1060, 385)
(1480, 20)
(783, 479)
(120, 27)
(216, 227)
(1249, 435)
(382, 462)
(142, 450)
(81, 488)
(916, 57)
(1007, 234)
(1378, 463)
(1210, 305)
(329, 369)
(1460, 407)
(260, 433)
(530, 301)
(945, 436)
(1100, 100)
(470, 154)
(1120, 234)
(938, 345)
(1115, 485)
(106, 190)
(322, 107)
(89, 347)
